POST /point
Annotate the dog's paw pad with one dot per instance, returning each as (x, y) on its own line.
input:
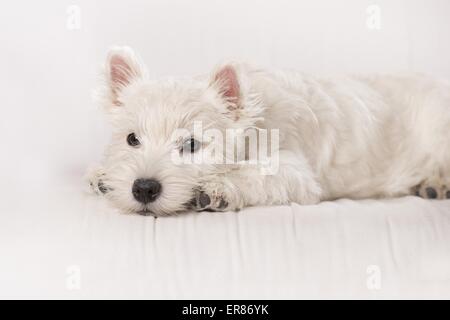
(223, 204)
(433, 189)
(431, 193)
(203, 200)
(98, 186)
(102, 187)
(209, 201)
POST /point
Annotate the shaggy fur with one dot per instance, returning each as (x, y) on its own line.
(356, 137)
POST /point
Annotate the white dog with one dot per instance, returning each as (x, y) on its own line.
(355, 137)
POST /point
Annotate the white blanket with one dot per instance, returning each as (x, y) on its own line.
(79, 247)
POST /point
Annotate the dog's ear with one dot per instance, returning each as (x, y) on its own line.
(123, 67)
(226, 80)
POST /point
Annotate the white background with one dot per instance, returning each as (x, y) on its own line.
(50, 128)
(50, 131)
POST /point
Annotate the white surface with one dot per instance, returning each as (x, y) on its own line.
(323, 251)
(50, 131)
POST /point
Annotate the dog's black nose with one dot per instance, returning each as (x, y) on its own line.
(146, 190)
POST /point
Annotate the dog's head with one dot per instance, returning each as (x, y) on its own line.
(154, 131)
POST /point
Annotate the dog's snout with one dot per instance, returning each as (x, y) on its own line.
(146, 190)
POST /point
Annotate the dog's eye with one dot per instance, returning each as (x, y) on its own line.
(132, 140)
(191, 145)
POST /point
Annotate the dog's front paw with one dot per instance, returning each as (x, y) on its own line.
(96, 177)
(215, 196)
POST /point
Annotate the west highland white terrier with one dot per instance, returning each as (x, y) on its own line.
(326, 138)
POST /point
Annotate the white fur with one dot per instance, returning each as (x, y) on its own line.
(356, 137)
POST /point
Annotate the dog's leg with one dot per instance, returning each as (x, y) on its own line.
(251, 186)
(95, 176)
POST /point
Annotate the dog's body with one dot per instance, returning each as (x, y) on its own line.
(355, 137)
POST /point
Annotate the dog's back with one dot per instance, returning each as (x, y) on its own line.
(363, 136)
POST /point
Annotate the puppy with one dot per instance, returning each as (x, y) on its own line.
(327, 138)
